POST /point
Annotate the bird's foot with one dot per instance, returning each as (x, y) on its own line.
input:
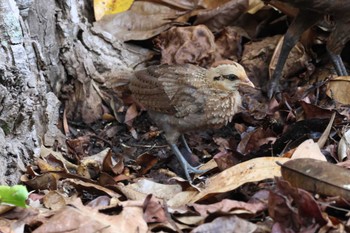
(188, 168)
(273, 88)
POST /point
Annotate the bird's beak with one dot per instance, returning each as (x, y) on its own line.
(247, 83)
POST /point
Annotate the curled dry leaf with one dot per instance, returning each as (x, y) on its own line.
(222, 16)
(181, 45)
(229, 43)
(294, 209)
(197, 45)
(297, 59)
(318, 177)
(344, 146)
(338, 89)
(256, 57)
(154, 210)
(142, 21)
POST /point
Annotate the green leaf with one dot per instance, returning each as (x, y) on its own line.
(15, 195)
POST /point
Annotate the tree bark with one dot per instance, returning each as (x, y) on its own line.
(49, 51)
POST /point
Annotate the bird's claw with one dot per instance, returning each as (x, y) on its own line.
(273, 88)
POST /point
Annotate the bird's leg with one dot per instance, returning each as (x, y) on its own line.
(303, 21)
(185, 165)
(335, 44)
(184, 143)
(338, 64)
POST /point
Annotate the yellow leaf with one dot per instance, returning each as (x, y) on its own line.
(109, 7)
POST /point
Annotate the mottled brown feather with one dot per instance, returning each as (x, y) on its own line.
(182, 98)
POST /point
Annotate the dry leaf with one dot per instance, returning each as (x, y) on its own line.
(308, 149)
(338, 89)
(108, 7)
(227, 224)
(296, 62)
(142, 21)
(344, 146)
(318, 177)
(181, 45)
(217, 18)
(162, 191)
(230, 179)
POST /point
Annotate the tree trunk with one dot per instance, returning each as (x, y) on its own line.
(49, 51)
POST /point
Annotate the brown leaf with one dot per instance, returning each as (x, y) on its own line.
(229, 43)
(181, 45)
(154, 210)
(318, 177)
(110, 165)
(142, 21)
(227, 224)
(338, 89)
(217, 18)
(296, 62)
(54, 200)
(252, 140)
(230, 179)
(313, 111)
(80, 218)
(294, 209)
(256, 57)
(146, 161)
(308, 149)
(229, 206)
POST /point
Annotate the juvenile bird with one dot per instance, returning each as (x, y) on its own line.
(183, 98)
(310, 13)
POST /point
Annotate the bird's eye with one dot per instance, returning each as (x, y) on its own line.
(231, 77)
(217, 78)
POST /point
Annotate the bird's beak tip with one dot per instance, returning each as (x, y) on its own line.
(248, 83)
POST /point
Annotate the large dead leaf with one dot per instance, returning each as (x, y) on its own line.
(223, 15)
(318, 177)
(142, 21)
(80, 218)
(250, 171)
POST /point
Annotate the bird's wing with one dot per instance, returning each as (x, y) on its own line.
(169, 89)
(148, 91)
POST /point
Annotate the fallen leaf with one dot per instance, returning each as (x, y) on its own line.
(308, 149)
(250, 171)
(142, 21)
(318, 177)
(108, 7)
(227, 224)
(338, 89)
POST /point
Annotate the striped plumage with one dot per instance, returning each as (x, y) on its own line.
(183, 98)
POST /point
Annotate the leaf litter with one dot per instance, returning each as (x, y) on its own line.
(270, 170)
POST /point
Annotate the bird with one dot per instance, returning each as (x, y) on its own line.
(185, 98)
(310, 13)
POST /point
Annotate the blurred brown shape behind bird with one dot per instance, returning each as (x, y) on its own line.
(310, 13)
(183, 98)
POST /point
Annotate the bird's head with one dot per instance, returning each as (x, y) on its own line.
(228, 76)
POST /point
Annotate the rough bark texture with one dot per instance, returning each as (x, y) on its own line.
(46, 45)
